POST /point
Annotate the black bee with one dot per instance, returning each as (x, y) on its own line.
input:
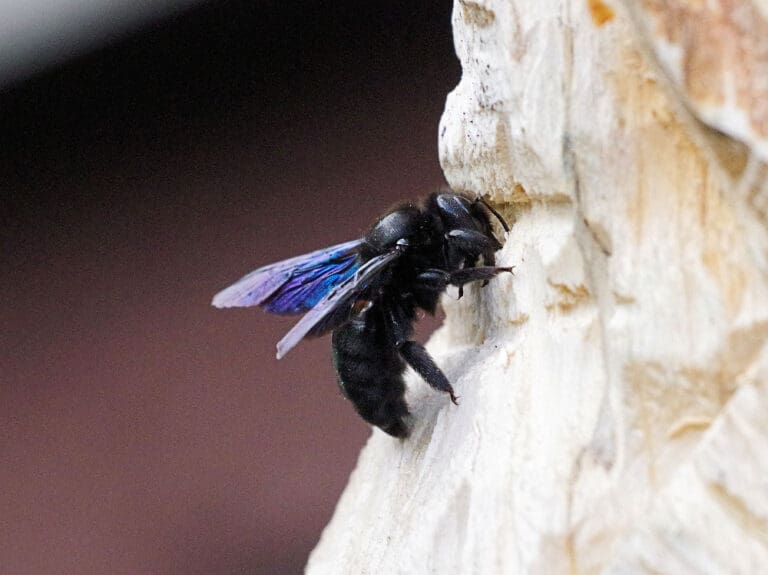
(368, 291)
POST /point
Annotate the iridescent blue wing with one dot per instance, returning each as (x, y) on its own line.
(294, 285)
(339, 305)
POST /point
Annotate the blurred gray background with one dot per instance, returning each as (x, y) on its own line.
(148, 159)
(35, 34)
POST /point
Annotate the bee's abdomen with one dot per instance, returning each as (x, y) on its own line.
(370, 373)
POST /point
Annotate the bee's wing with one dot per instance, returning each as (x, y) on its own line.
(294, 285)
(336, 307)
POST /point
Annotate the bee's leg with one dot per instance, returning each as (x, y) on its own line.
(471, 242)
(422, 363)
(413, 353)
(474, 244)
(435, 280)
(440, 279)
(484, 273)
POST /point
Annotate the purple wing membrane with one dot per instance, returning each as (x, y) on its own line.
(336, 307)
(294, 285)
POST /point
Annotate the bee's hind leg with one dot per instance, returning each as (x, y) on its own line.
(414, 353)
(422, 363)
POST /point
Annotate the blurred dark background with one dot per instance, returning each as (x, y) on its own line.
(141, 430)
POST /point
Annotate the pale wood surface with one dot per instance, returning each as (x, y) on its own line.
(614, 392)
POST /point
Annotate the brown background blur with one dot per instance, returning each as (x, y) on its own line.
(141, 430)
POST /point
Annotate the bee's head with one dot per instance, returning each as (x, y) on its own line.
(458, 212)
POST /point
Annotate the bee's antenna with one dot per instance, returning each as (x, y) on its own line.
(494, 212)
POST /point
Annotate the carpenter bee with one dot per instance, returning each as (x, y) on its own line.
(368, 291)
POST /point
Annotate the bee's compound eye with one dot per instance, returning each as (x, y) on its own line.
(456, 212)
